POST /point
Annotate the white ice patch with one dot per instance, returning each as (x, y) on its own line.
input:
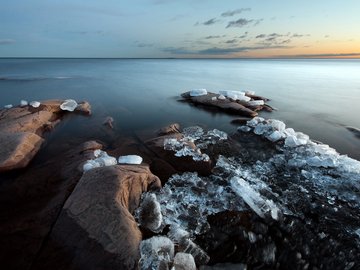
(102, 159)
(221, 97)
(235, 95)
(69, 105)
(249, 92)
(35, 104)
(8, 106)
(198, 92)
(256, 102)
(130, 159)
(23, 103)
(214, 98)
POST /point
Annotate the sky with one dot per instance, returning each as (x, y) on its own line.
(180, 28)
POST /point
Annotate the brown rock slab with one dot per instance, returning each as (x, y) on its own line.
(96, 229)
(18, 149)
(172, 128)
(225, 105)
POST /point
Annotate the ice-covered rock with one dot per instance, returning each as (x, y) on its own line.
(244, 98)
(23, 103)
(244, 129)
(255, 102)
(156, 252)
(8, 106)
(198, 92)
(102, 159)
(69, 105)
(260, 205)
(35, 104)
(149, 212)
(221, 97)
(249, 92)
(218, 134)
(130, 159)
(277, 125)
(183, 261)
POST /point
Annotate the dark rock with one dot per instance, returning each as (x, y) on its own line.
(173, 128)
(240, 120)
(96, 229)
(108, 121)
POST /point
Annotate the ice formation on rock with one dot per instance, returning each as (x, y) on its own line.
(193, 141)
(101, 159)
(221, 97)
(23, 103)
(156, 252)
(8, 106)
(249, 92)
(130, 159)
(34, 104)
(198, 92)
(256, 102)
(149, 212)
(69, 105)
(214, 98)
(235, 95)
(183, 261)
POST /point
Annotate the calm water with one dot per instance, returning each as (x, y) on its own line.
(317, 97)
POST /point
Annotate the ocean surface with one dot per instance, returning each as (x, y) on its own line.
(317, 97)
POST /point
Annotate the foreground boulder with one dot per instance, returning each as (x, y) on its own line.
(96, 229)
(22, 129)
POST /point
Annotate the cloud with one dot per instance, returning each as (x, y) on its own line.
(219, 51)
(261, 36)
(243, 22)
(231, 41)
(212, 37)
(7, 41)
(244, 35)
(231, 13)
(210, 22)
(322, 55)
(299, 35)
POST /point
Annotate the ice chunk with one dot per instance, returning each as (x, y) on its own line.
(249, 92)
(275, 136)
(188, 246)
(69, 105)
(302, 138)
(252, 237)
(150, 215)
(35, 104)
(235, 95)
(214, 98)
(8, 106)
(358, 232)
(292, 141)
(256, 102)
(257, 203)
(255, 121)
(218, 133)
(23, 103)
(183, 261)
(176, 233)
(130, 159)
(101, 159)
(243, 98)
(325, 162)
(221, 97)
(261, 129)
(156, 252)
(289, 132)
(277, 124)
(194, 132)
(244, 128)
(198, 92)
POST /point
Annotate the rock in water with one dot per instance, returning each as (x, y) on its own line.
(69, 105)
(150, 215)
(183, 261)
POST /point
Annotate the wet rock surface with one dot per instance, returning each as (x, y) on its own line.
(22, 129)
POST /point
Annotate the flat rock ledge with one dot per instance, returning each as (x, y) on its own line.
(228, 105)
(22, 129)
(96, 228)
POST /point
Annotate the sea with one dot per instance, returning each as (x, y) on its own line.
(319, 97)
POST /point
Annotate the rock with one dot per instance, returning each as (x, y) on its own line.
(170, 129)
(96, 229)
(225, 105)
(108, 121)
(32, 201)
(83, 107)
(150, 216)
(18, 149)
(240, 121)
(22, 129)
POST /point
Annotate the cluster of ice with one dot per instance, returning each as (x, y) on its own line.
(156, 253)
(69, 105)
(183, 261)
(23, 103)
(235, 95)
(221, 97)
(198, 92)
(130, 159)
(194, 139)
(102, 159)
